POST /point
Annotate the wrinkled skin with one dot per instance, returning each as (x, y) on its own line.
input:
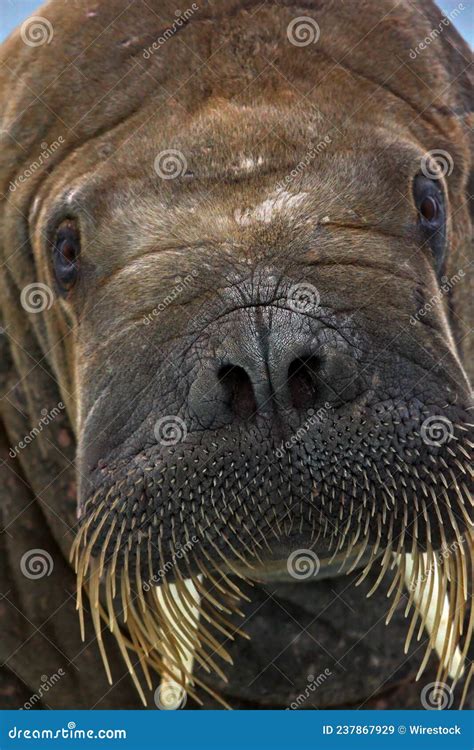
(121, 355)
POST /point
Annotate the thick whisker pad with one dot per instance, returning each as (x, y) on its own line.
(164, 576)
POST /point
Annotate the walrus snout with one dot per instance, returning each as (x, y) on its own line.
(235, 246)
(274, 363)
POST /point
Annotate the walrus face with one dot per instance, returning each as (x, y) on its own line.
(258, 325)
(264, 377)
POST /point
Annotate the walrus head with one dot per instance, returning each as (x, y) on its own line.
(259, 313)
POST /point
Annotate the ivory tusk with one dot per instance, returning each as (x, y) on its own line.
(172, 693)
(427, 606)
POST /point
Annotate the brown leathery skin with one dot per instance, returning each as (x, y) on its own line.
(228, 83)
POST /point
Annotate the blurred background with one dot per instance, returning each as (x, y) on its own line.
(13, 12)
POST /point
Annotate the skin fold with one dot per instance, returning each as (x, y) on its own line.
(302, 425)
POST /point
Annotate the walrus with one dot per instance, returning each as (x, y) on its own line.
(235, 356)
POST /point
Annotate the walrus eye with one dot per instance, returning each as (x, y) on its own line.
(66, 254)
(429, 208)
(429, 199)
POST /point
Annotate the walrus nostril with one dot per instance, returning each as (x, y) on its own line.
(238, 390)
(304, 382)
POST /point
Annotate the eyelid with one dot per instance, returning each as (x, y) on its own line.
(433, 234)
(424, 187)
(66, 208)
(428, 183)
(66, 230)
